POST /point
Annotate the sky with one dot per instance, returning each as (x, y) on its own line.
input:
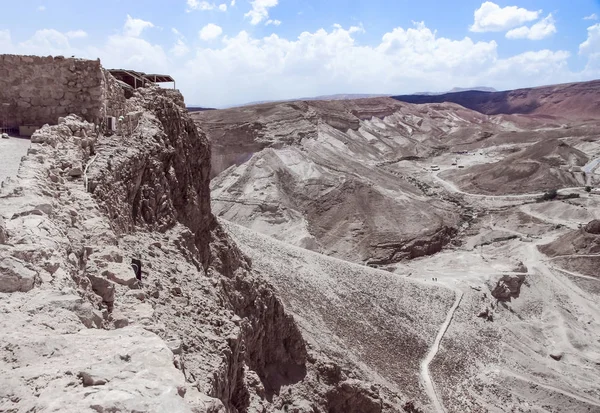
(228, 52)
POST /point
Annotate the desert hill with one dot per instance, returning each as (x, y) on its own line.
(576, 101)
(546, 165)
(342, 177)
(321, 174)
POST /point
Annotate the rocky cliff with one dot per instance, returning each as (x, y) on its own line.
(200, 331)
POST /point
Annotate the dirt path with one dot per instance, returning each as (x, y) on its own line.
(11, 152)
(425, 375)
(574, 274)
(570, 224)
(574, 256)
(556, 389)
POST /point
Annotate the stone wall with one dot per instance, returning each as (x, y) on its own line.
(38, 90)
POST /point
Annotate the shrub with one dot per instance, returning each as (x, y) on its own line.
(588, 189)
(549, 195)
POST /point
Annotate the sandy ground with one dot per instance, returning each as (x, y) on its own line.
(11, 151)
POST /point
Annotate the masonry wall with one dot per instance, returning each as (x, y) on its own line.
(38, 90)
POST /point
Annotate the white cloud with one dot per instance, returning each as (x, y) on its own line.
(76, 34)
(200, 5)
(210, 32)
(41, 8)
(492, 18)
(135, 27)
(244, 68)
(180, 49)
(538, 31)
(328, 62)
(47, 39)
(592, 16)
(273, 22)
(591, 46)
(118, 51)
(232, 3)
(204, 6)
(260, 10)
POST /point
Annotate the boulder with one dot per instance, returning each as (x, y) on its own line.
(108, 253)
(508, 287)
(103, 287)
(593, 227)
(120, 273)
(556, 355)
(75, 172)
(15, 276)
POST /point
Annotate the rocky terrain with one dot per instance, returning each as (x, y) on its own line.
(201, 331)
(325, 176)
(256, 228)
(518, 326)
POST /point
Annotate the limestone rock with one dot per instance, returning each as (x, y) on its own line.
(15, 276)
(120, 273)
(353, 396)
(114, 364)
(75, 172)
(508, 287)
(103, 287)
(107, 253)
(3, 232)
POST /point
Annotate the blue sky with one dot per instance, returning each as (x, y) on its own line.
(227, 52)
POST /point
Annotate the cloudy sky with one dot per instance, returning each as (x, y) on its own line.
(228, 52)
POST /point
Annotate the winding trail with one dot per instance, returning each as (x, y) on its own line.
(574, 274)
(425, 374)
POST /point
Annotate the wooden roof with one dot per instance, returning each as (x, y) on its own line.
(138, 79)
(159, 78)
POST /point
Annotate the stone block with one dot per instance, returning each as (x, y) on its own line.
(120, 273)
(15, 276)
(3, 232)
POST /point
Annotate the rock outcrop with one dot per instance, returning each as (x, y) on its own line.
(201, 331)
(508, 287)
(593, 227)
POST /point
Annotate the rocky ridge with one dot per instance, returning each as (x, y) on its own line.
(201, 332)
(323, 175)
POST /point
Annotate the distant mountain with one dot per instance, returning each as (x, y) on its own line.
(477, 88)
(570, 101)
(457, 90)
(198, 109)
(342, 96)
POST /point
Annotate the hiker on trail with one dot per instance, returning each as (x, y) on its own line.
(136, 264)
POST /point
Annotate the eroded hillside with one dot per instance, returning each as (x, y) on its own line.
(367, 181)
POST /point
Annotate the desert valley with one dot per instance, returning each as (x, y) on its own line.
(419, 253)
